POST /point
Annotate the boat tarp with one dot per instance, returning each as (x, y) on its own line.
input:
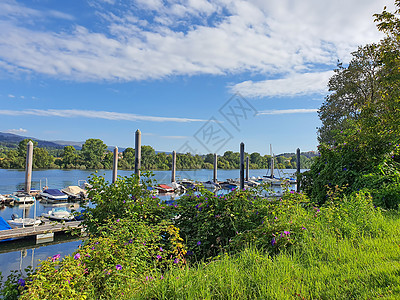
(54, 192)
(73, 189)
(4, 225)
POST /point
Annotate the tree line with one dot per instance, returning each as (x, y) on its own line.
(94, 155)
(360, 133)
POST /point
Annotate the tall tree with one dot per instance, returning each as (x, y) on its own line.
(93, 152)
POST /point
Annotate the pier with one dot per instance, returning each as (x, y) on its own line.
(45, 231)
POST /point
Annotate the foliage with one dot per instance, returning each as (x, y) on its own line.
(360, 135)
(209, 222)
(346, 249)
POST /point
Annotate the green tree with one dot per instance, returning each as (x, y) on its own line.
(352, 88)
(42, 159)
(70, 157)
(362, 151)
(93, 151)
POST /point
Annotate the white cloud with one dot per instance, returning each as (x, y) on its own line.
(192, 37)
(16, 131)
(292, 85)
(11, 96)
(288, 111)
(174, 137)
(106, 115)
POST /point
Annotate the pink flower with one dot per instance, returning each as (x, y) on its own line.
(77, 256)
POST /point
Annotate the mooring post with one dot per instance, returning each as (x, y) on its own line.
(138, 152)
(247, 168)
(28, 166)
(173, 166)
(215, 167)
(242, 166)
(115, 165)
(298, 171)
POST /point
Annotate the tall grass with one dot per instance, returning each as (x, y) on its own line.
(351, 251)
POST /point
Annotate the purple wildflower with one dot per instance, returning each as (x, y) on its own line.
(302, 227)
(176, 261)
(273, 242)
(198, 243)
(55, 257)
(286, 232)
(77, 256)
(118, 267)
(117, 220)
(161, 249)
(21, 282)
(158, 256)
(130, 241)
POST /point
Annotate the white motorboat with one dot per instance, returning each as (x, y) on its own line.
(74, 192)
(22, 197)
(178, 187)
(59, 214)
(211, 185)
(17, 222)
(53, 195)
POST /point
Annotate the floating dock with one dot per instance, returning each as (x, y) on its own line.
(40, 231)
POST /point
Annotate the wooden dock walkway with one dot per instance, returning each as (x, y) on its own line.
(37, 230)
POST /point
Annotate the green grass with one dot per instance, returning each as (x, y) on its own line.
(323, 266)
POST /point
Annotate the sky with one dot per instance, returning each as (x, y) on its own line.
(193, 76)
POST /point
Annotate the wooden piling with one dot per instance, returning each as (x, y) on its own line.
(28, 166)
(247, 168)
(298, 170)
(173, 166)
(215, 167)
(115, 165)
(138, 152)
(242, 166)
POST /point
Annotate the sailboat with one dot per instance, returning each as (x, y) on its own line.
(23, 222)
(271, 178)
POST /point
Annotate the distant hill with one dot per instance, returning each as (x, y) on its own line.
(12, 140)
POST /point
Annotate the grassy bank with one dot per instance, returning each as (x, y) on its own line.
(365, 266)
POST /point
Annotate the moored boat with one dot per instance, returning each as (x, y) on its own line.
(211, 185)
(74, 192)
(22, 198)
(58, 214)
(53, 195)
(163, 188)
(17, 222)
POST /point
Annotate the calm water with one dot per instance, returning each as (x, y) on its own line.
(28, 254)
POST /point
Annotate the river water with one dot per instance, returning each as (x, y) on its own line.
(18, 255)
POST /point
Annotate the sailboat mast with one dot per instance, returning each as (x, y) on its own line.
(272, 162)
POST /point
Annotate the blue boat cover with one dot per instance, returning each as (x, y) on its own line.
(54, 192)
(4, 225)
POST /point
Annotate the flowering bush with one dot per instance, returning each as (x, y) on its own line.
(209, 222)
(115, 262)
(282, 225)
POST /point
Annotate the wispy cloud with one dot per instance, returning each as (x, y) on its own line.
(292, 85)
(156, 39)
(11, 96)
(287, 111)
(174, 137)
(16, 131)
(106, 115)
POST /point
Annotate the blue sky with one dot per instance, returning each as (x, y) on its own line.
(192, 75)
